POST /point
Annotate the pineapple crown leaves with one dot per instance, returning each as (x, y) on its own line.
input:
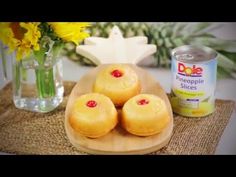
(167, 36)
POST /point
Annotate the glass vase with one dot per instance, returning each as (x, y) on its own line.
(37, 83)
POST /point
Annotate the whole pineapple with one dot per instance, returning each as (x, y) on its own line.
(167, 36)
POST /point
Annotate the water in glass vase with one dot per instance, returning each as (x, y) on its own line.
(37, 87)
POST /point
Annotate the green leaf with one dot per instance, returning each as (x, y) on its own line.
(200, 28)
(178, 27)
(178, 42)
(229, 55)
(160, 42)
(207, 35)
(193, 28)
(226, 63)
(215, 43)
(40, 55)
(168, 43)
(57, 49)
(164, 33)
(224, 73)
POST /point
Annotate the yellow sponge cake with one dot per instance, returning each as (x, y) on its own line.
(119, 82)
(145, 115)
(93, 115)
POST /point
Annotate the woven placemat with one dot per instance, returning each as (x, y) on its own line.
(23, 132)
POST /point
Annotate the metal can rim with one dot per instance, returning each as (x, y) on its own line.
(201, 47)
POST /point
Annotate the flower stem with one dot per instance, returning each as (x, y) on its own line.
(45, 82)
(16, 77)
(3, 56)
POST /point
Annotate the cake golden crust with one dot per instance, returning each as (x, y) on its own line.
(93, 115)
(145, 115)
(119, 82)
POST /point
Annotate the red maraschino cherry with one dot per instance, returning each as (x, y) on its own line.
(143, 102)
(91, 103)
(116, 73)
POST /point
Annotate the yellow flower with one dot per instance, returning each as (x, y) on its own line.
(21, 37)
(7, 36)
(23, 50)
(32, 35)
(70, 32)
(24, 37)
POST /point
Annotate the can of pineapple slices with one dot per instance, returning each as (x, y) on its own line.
(193, 80)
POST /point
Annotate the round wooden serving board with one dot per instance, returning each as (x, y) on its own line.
(118, 141)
